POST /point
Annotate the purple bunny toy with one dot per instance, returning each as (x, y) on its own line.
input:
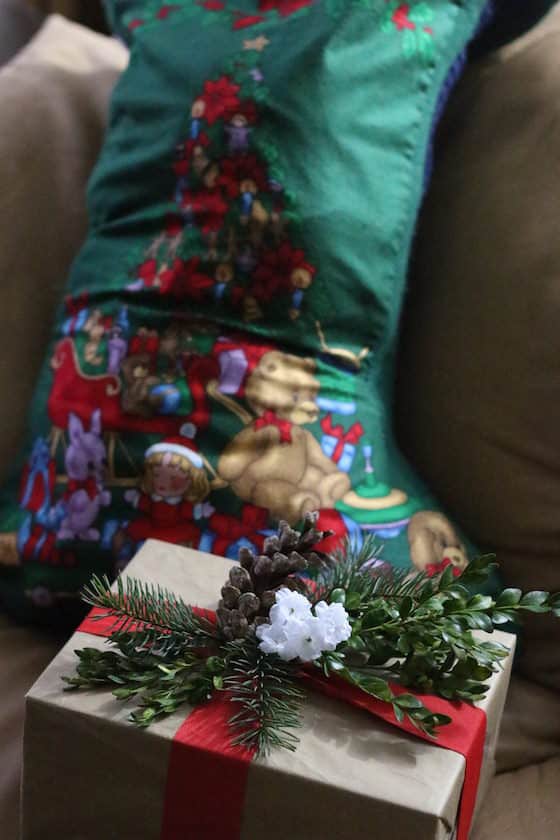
(85, 465)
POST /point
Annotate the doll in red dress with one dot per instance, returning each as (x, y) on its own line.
(172, 494)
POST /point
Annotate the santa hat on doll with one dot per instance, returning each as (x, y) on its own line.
(181, 444)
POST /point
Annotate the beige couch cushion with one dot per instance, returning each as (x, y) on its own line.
(53, 97)
(521, 805)
(24, 653)
(480, 372)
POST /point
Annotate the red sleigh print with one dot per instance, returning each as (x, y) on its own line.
(134, 398)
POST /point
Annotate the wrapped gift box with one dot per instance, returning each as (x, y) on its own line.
(90, 773)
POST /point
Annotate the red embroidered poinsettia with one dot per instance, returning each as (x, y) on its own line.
(213, 5)
(196, 282)
(185, 152)
(273, 274)
(173, 225)
(433, 569)
(247, 108)
(147, 272)
(192, 282)
(169, 277)
(241, 168)
(219, 97)
(283, 7)
(208, 207)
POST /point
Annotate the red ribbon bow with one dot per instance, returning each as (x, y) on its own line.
(230, 528)
(269, 418)
(87, 484)
(353, 435)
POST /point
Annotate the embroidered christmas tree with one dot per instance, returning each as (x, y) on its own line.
(230, 236)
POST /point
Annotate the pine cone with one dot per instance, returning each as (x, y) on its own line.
(250, 592)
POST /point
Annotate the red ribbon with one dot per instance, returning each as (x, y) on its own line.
(74, 306)
(201, 751)
(269, 418)
(353, 435)
(229, 529)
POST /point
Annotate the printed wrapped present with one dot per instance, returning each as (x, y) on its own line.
(351, 776)
(226, 535)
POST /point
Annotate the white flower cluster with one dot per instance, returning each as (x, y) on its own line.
(295, 632)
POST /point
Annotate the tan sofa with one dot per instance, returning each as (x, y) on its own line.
(54, 103)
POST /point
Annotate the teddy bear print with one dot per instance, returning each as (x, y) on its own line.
(432, 540)
(274, 462)
(138, 384)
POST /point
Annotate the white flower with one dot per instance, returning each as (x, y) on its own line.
(335, 627)
(289, 605)
(295, 633)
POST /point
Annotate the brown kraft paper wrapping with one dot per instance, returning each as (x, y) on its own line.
(90, 773)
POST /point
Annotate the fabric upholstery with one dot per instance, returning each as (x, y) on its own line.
(18, 24)
(24, 653)
(54, 98)
(480, 369)
(522, 805)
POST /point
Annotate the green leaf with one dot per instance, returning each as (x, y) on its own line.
(356, 642)
(432, 605)
(406, 606)
(338, 596)
(447, 579)
(408, 701)
(403, 645)
(215, 665)
(399, 714)
(376, 617)
(124, 693)
(218, 682)
(479, 569)
(509, 598)
(377, 687)
(499, 617)
(352, 601)
(535, 601)
(480, 621)
(480, 602)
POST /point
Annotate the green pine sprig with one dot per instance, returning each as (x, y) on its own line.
(149, 616)
(264, 689)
